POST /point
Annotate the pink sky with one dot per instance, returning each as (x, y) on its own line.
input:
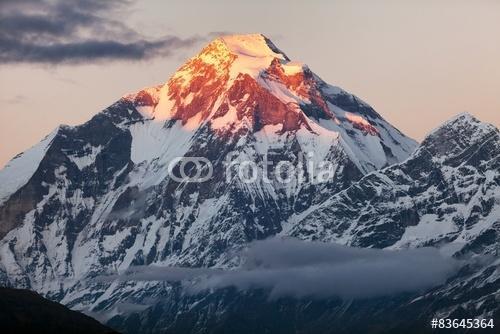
(416, 62)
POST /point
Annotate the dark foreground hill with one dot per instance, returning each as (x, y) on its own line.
(24, 311)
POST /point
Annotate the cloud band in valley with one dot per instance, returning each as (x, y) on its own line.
(293, 268)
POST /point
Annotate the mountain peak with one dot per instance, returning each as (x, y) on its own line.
(226, 64)
(241, 54)
(252, 45)
(240, 84)
(461, 119)
(456, 134)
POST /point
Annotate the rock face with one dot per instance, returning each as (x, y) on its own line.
(102, 197)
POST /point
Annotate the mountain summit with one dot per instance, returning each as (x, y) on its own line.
(243, 84)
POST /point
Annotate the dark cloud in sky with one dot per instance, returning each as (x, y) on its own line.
(289, 267)
(76, 31)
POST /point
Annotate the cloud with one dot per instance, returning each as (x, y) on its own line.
(157, 273)
(289, 267)
(77, 31)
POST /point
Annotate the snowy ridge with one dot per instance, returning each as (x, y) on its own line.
(471, 131)
(422, 179)
(19, 170)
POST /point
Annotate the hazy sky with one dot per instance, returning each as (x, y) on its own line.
(416, 62)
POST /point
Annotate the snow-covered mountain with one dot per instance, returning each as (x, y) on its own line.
(100, 197)
(446, 192)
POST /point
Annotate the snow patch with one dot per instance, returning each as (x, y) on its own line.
(293, 67)
(86, 160)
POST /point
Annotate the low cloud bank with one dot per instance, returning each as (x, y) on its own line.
(293, 268)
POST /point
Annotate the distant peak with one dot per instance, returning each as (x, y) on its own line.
(461, 122)
(462, 117)
(456, 134)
